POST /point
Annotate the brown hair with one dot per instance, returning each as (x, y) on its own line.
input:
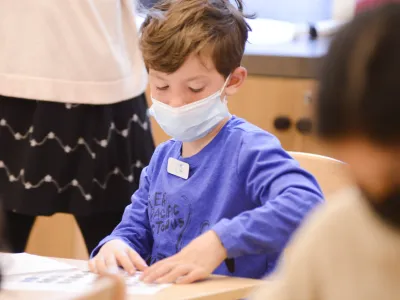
(174, 29)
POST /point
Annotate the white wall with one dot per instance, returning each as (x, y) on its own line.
(291, 10)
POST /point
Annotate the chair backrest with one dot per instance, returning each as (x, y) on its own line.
(109, 287)
(331, 174)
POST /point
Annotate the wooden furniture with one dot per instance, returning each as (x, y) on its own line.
(110, 287)
(216, 287)
(331, 174)
(57, 236)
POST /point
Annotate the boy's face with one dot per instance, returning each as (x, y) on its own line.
(196, 79)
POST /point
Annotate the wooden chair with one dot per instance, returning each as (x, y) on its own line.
(109, 287)
(331, 174)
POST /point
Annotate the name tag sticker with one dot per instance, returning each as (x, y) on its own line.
(178, 168)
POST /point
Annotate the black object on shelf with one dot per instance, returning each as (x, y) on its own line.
(282, 123)
(312, 31)
(304, 125)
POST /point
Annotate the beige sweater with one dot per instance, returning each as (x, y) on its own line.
(343, 252)
(77, 51)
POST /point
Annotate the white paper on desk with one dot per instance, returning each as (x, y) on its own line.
(73, 281)
(22, 263)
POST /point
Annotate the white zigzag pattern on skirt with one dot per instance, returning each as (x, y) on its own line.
(70, 105)
(73, 183)
(67, 149)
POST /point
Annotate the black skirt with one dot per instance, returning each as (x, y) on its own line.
(78, 159)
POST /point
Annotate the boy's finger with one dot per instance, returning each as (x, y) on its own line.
(125, 262)
(174, 274)
(157, 272)
(111, 264)
(155, 266)
(92, 266)
(101, 265)
(138, 262)
(193, 276)
(151, 269)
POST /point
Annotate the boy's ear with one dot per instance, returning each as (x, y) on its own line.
(235, 81)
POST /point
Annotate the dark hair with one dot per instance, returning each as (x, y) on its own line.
(359, 91)
(174, 29)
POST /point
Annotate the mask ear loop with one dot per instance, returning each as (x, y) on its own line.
(226, 82)
(223, 88)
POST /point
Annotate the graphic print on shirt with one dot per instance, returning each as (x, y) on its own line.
(185, 225)
(205, 226)
(169, 220)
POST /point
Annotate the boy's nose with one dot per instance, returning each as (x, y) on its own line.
(177, 102)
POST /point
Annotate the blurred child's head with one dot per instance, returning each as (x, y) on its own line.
(364, 5)
(358, 103)
(190, 47)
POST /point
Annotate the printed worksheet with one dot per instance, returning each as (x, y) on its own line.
(20, 263)
(73, 281)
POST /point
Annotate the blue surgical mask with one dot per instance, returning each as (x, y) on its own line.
(192, 121)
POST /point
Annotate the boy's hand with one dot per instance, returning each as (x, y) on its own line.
(194, 262)
(116, 253)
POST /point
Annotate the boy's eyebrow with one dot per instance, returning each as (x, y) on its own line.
(189, 79)
(196, 77)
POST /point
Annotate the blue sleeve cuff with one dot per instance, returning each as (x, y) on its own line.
(228, 240)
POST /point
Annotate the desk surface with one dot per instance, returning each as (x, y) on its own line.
(212, 289)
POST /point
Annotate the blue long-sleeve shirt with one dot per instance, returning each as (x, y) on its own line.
(242, 185)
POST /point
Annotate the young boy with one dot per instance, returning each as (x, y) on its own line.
(350, 248)
(221, 189)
